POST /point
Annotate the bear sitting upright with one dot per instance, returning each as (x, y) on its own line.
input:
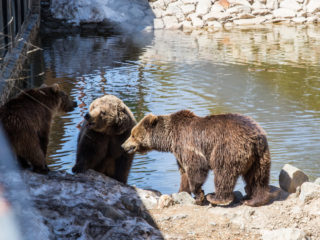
(229, 144)
(27, 119)
(107, 125)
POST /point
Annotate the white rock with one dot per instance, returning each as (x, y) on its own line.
(283, 234)
(173, 9)
(228, 25)
(272, 4)
(157, 12)
(291, 4)
(261, 12)
(284, 13)
(291, 177)
(221, 16)
(245, 16)
(165, 201)
(299, 20)
(317, 181)
(251, 21)
(188, 8)
(158, 23)
(171, 22)
(238, 9)
(203, 7)
(258, 5)
(183, 198)
(215, 24)
(159, 4)
(192, 15)
(186, 25)
(197, 22)
(313, 6)
(209, 17)
(309, 191)
(217, 8)
(239, 2)
(312, 19)
(189, 1)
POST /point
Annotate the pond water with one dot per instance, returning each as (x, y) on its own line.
(271, 74)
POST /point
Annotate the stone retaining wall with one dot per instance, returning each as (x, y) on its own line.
(216, 14)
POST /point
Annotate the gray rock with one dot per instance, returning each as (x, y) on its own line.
(283, 234)
(291, 177)
(309, 191)
(89, 206)
(165, 201)
(183, 198)
(148, 198)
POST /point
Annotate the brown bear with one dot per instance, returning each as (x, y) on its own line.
(27, 120)
(229, 144)
(107, 125)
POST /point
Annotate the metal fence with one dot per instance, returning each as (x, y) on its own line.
(12, 15)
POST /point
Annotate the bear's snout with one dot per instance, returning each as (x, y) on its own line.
(87, 117)
(129, 148)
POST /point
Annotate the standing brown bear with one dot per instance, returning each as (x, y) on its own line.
(107, 125)
(229, 144)
(27, 120)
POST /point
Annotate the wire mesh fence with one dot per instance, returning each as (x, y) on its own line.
(12, 16)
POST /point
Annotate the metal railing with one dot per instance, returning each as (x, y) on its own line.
(12, 15)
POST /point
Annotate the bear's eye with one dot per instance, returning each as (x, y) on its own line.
(103, 113)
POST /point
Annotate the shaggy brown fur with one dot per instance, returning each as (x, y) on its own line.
(107, 125)
(229, 144)
(27, 119)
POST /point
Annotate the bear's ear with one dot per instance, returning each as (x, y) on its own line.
(55, 87)
(151, 120)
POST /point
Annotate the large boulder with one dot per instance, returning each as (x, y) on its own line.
(291, 177)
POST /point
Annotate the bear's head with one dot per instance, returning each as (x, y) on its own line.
(54, 98)
(109, 115)
(141, 135)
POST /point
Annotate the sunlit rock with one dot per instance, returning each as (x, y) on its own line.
(203, 7)
(299, 20)
(197, 22)
(309, 191)
(284, 13)
(290, 4)
(188, 8)
(291, 177)
(158, 23)
(313, 6)
(171, 22)
(283, 234)
(272, 4)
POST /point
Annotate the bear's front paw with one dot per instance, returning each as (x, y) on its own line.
(219, 201)
(78, 169)
(200, 198)
(42, 170)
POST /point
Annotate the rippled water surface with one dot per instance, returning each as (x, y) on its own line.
(271, 74)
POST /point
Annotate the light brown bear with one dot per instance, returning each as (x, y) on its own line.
(229, 144)
(107, 125)
(27, 120)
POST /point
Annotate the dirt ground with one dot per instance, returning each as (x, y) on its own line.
(240, 221)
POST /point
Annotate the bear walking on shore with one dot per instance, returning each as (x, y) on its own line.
(107, 125)
(27, 119)
(231, 145)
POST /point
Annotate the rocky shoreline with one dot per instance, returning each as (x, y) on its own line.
(211, 15)
(93, 206)
(218, 14)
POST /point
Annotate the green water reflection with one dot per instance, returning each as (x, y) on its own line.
(271, 74)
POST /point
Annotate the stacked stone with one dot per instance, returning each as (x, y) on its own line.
(216, 14)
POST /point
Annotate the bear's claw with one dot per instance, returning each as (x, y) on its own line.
(222, 202)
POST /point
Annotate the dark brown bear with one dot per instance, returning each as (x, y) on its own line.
(27, 119)
(229, 144)
(107, 125)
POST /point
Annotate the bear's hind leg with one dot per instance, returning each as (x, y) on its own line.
(224, 184)
(184, 182)
(36, 158)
